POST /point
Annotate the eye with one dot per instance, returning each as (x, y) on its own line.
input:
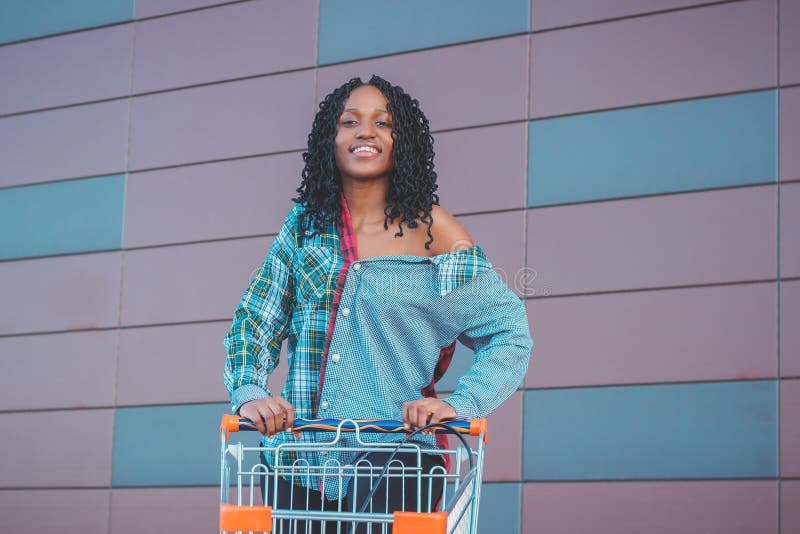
(349, 122)
(384, 124)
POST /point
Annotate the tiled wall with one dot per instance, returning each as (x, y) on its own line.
(632, 167)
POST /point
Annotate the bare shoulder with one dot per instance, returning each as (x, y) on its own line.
(449, 234)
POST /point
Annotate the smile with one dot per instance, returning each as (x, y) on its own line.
(367, 149)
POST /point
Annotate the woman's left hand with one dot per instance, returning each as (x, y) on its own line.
(425, 411)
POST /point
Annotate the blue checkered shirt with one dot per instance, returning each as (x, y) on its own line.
(393, 315)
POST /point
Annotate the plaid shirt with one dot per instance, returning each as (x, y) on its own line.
(395, 333)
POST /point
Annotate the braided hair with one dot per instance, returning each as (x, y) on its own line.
(412, 181)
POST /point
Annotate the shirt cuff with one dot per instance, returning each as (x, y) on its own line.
(246, 393)
(463, 407)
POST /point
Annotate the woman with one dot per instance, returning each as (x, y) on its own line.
(372, 282)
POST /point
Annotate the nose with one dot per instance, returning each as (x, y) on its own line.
(366, 130)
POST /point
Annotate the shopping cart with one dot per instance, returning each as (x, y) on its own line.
(456, 511)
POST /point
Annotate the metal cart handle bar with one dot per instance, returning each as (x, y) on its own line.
(474, 427)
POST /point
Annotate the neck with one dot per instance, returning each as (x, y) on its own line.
(366, 201)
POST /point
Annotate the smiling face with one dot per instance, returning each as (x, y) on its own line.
(364, 136)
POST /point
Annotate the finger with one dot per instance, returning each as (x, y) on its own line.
(406, 418)
(250, 411)
(440, 414)
(269, 420)
(288, 413)
(420, 414)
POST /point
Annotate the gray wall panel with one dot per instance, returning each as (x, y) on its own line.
(72, 370)
(673, 335)
(641, 60)
(172, 364)
(789, 41)
(790, 334)
(80, 141)
(56, 449)
(34, 511)
(242, 39)
(457, 86)
(222, 121)
(211, 201)
(655, 242)
(501, 236)
(189, 282)
(63, 293)
(482, 169)
(166, 510)
(790, 230)
(150, 8)
(555, 13)
(68, 69)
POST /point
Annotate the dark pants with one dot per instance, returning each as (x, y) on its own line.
(402, 495)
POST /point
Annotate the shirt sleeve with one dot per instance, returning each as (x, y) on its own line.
(261, 322)
(495, 327)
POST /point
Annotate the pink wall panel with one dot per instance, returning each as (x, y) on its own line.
(489, 77)
(52, 449)
(790, 41)
(70, 370)
(790, 230)
(501, 236)
(62, 293)
(790, 333)
(790, 134)
(654, 336)
(150, 8)
(193, 203)
(188, 358)
(790, 506)
(790, 428)
(199, 282)
(226, 42)
(43, 511)
(66, 69)
(164, 511)
(733, 507)
(248, 117)
(634, 61)
(79, 141)
(482, 169)
(555, 13)
(172, 364)
(655, 242)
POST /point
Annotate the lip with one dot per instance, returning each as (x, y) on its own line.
(365, 154)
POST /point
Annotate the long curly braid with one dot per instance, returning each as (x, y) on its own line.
(412, 181)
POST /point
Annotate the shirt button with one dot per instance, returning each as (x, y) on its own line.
(356, 266)
(345, 312)
(308, 232)
(258, 366)
(336, 357)
(324, 405)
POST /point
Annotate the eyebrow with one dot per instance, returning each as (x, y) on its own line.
(356, 109)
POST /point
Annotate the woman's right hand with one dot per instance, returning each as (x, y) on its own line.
(270, 415)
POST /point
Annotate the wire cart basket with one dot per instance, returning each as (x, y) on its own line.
(242, 471)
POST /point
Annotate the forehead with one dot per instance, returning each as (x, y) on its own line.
(366, 98)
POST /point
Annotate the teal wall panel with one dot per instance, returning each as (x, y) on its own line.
(25, 19)
(686, 431)
(697, 144)
(170, 445)
(500, 507)
(351, 30)
(62, 217)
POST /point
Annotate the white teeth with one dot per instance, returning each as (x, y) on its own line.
(365, 149)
